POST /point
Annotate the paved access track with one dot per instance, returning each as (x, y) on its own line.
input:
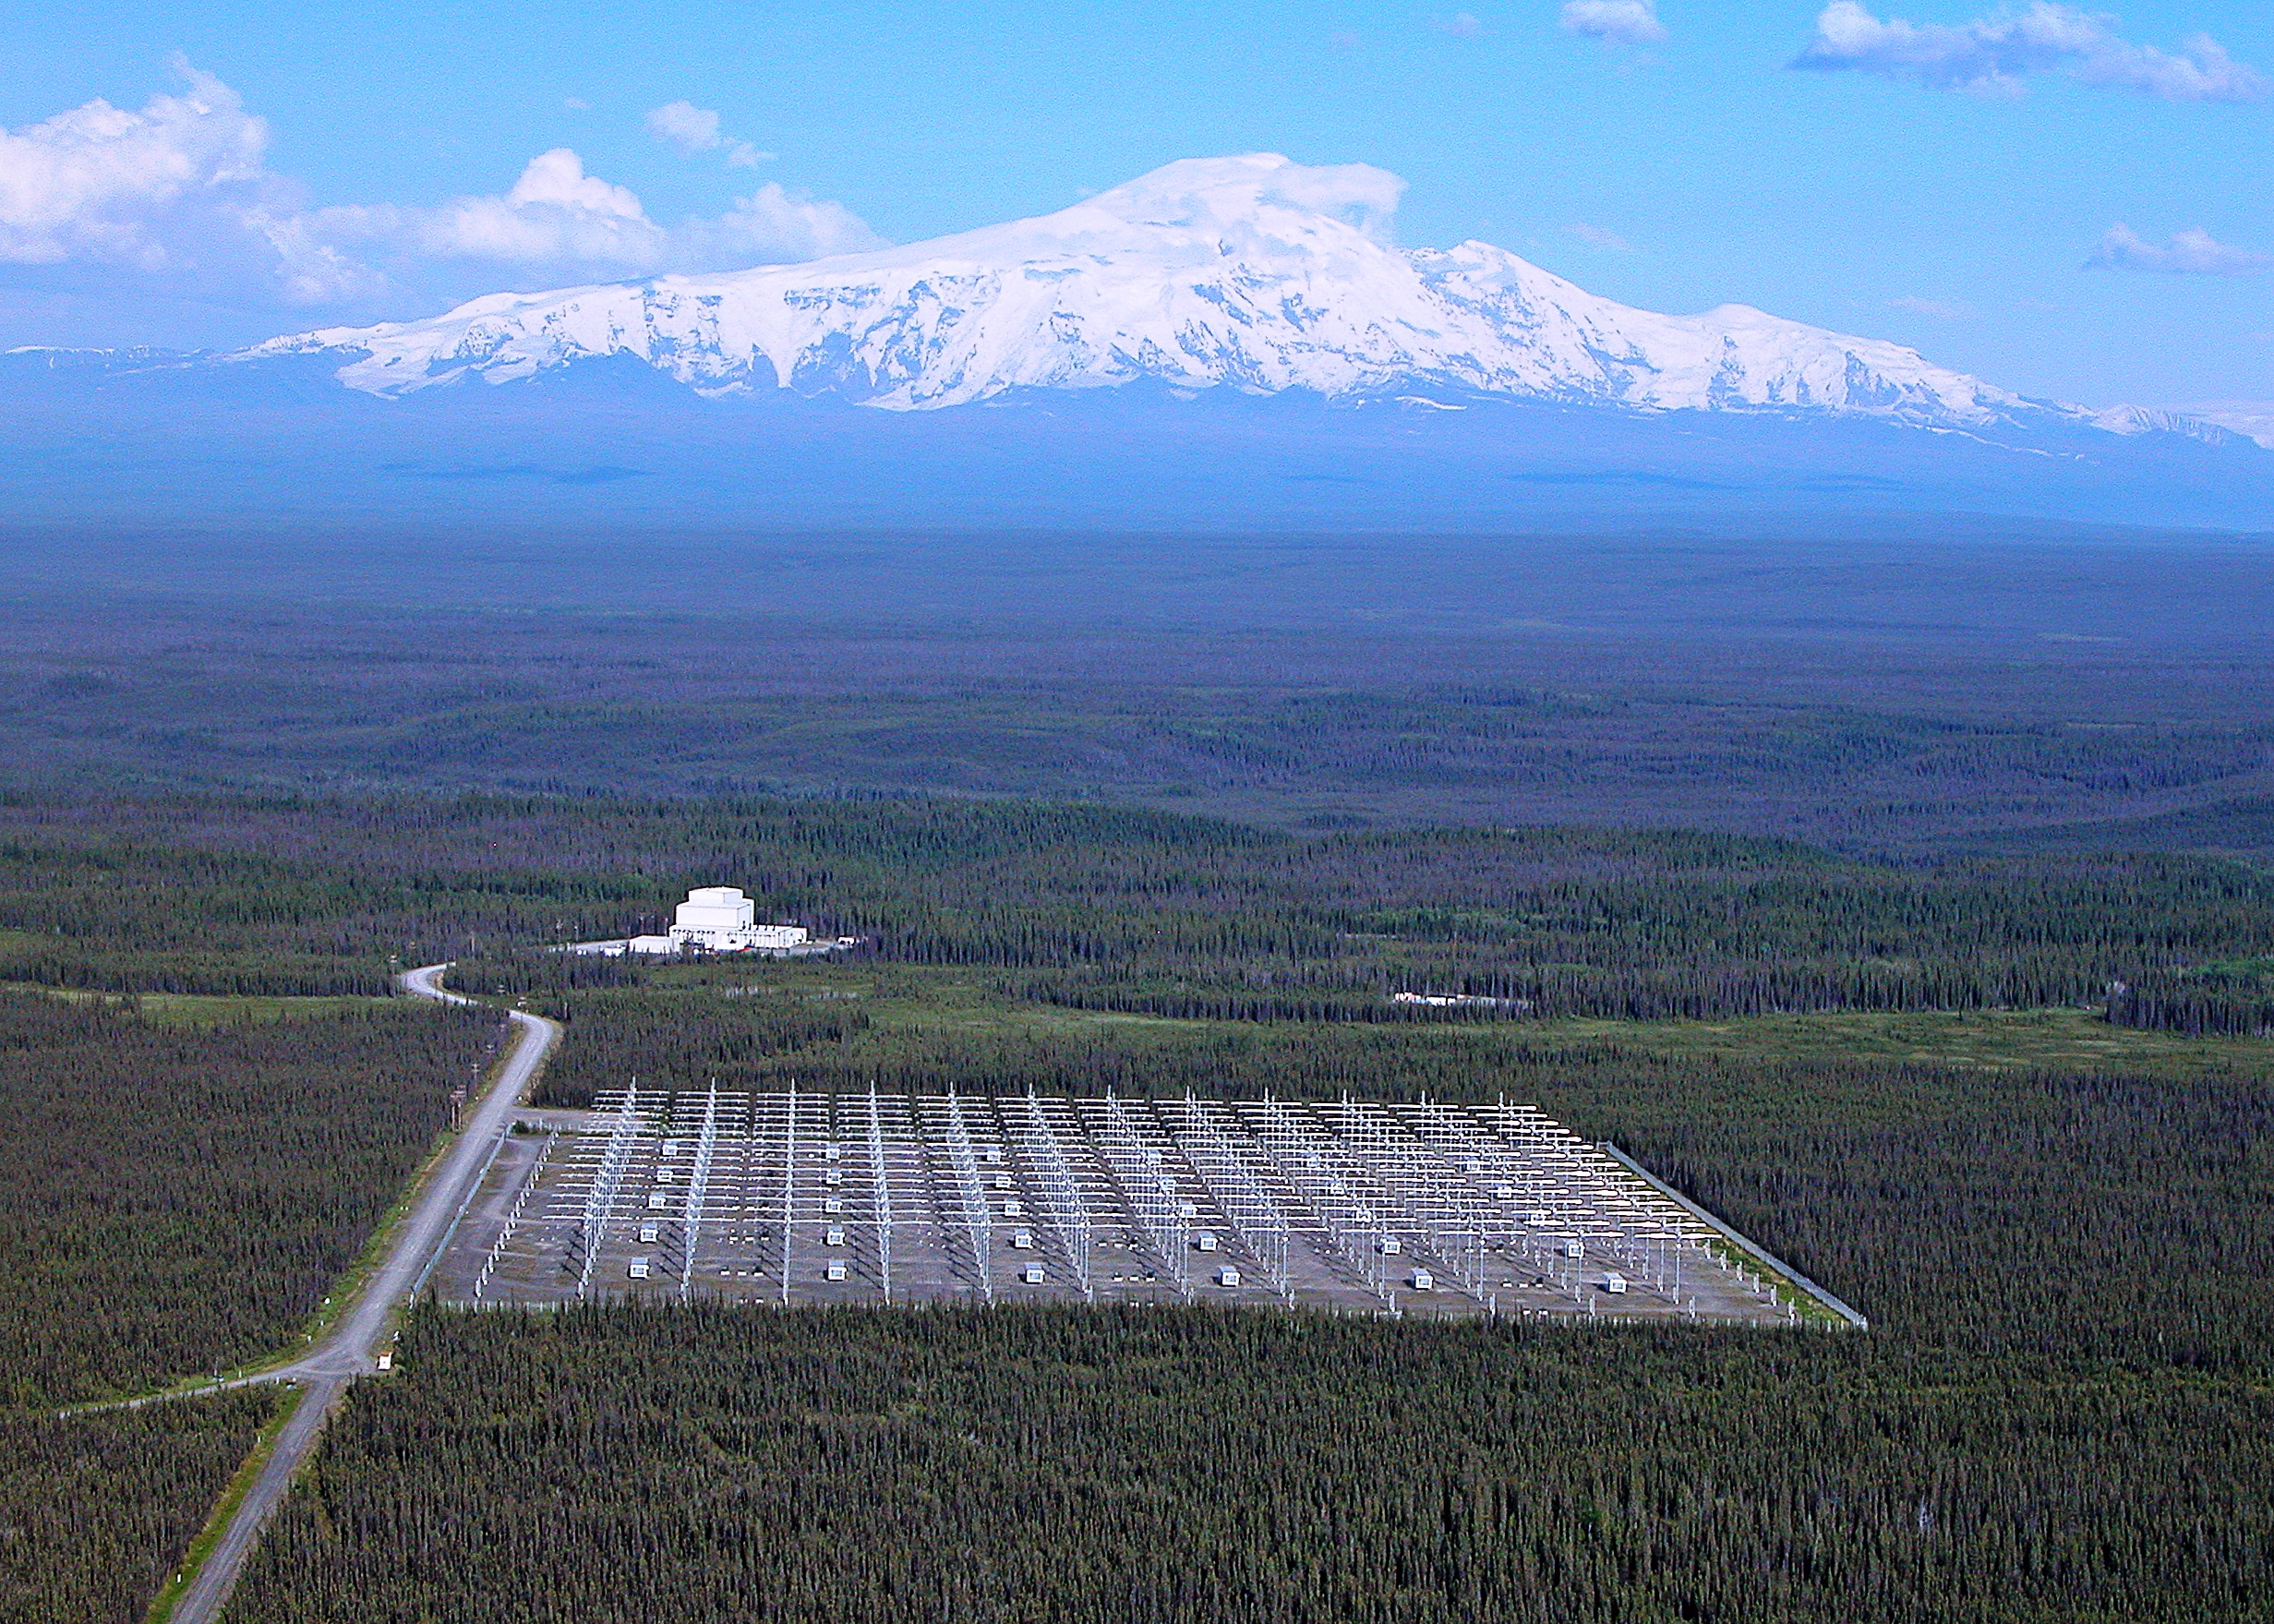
(351, 1348)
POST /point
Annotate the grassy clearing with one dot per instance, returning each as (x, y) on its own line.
(199, 1009)
(2063, 1039)
(903, 1002)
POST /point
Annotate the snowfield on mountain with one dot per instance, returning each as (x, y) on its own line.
(1252, 273)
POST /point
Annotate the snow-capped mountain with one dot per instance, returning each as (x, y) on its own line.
(1252, 273)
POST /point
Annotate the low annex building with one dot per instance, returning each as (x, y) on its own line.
(720, 918)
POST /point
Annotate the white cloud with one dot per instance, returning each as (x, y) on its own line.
(774, 224)
(557, 180)
(695, 130)
(686, 125)
(1939, 309)
(1359, 193)
(1598, 236)
(2193, 252)
(1616, 22)
(181, 192)
(99, 182)
(1460, 25)
(556, 214)
(1994, 55)
(313, 268)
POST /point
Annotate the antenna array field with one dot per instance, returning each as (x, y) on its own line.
(804, 1197)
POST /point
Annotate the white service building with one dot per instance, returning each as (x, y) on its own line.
(720, 918)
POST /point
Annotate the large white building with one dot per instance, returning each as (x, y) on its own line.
(720, 918)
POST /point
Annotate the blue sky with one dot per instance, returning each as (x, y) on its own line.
(1944, 185)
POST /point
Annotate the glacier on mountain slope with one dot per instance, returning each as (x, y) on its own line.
(1252, 273)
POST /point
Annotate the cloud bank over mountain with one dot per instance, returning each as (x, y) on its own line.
(557, 216)
(144, 189)
(169, 220)
(184, 186)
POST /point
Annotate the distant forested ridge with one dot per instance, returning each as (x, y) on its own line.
(1930, 685)
(1100, 907)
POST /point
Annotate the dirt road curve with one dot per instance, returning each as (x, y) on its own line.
(324, 1371)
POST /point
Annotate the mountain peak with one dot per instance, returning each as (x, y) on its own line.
(1251, 272)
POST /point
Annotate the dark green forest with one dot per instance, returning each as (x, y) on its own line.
(179, 1199)
(96, 1510)
(2061, 1412)
(2066, 1263)
(177, 1195)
